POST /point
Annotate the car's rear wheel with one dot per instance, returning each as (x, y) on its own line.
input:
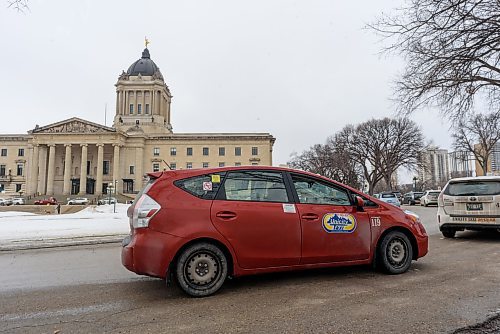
(201, 269)
(448, 233)
(395, 253)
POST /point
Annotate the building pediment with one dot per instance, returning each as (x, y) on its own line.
(73, 125)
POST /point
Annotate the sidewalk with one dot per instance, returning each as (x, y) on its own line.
(92, 225)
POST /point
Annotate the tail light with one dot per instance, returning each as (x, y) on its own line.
(143, 211)
(440, 200)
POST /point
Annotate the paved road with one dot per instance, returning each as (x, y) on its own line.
(85, 290)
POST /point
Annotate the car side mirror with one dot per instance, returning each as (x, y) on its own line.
(359, 202)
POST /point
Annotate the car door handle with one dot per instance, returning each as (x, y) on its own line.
(225, 215)
(309, 216)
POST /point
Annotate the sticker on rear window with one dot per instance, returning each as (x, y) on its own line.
(339, 223)
(207, 186)
(215, 178)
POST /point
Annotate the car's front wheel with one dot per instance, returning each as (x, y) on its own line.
(201, 269)
(395, 253)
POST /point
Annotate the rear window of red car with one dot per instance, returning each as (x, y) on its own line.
(202, 186)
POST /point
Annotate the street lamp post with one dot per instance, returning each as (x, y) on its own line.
(415, 183)
(114, 202)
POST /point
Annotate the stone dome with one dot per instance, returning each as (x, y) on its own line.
(144, 66)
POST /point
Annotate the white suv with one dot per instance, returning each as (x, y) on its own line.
(469, 203)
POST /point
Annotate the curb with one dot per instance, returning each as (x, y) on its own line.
(60, 242)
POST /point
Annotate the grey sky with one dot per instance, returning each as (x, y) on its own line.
(300, 70)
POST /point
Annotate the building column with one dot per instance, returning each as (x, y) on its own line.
(117, 111)
(83, 171)
(51, 173)
(100, 159)
(34, 170)
(139, 161)
(67, 170)
(42, 173)
(144, 102)
(116, 169)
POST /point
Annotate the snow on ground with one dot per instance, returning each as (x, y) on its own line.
(90, 222)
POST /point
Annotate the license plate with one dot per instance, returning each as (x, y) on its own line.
(474, 206)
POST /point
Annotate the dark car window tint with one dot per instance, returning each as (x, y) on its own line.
(473, 188)
(260, 186)
(311, 191)
(203, 186)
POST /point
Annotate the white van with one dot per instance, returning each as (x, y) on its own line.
(469, 203)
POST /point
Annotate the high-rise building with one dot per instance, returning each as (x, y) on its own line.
(435, 171)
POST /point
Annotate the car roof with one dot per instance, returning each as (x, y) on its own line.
(180, 173)
(475, 178)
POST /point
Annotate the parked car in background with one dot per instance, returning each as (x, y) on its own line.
(18, 201)
(46, 201)
(388, 197)
(198, 226)
(412, 198)
(78, 201)
(5, 201)
(469, 203)
(399, 196)
(430, 197)
(107, 200)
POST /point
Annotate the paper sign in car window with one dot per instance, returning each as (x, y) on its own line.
(215, 178)
(207, 186)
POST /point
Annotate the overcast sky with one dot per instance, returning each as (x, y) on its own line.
(300, 70)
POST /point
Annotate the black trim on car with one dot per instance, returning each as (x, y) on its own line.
(469, 226)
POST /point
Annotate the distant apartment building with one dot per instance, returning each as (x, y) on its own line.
(435, 171)
(461, 164)
(493, 167)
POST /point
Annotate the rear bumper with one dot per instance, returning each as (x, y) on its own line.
(469, 226)
(148, 252)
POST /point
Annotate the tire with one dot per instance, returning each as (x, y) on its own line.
(395, 253)
(448, 233)
(201, 269)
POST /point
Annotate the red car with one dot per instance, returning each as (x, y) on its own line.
(49, 201)
(200, 226)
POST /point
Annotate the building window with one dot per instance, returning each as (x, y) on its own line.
(139, 109)
(255, 163)
(88, 168)
(18, 187)
(237, 151)
(131, 169)
(222, 151)
(20, 168)
(205, 151)
(222, 164)
(20, 152)
(4, 152)
(146, 111)
(173, 165)
(255, 150)
(189, 165)
(237, 164)
(173, 151)
(2, 170)
(189, 151)
(131, 110)
(156, 151)
(156, 167)
(105, 167)
(205, 165)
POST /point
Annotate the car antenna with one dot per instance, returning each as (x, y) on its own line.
(167, 164)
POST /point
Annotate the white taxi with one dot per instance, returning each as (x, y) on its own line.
(469, 203)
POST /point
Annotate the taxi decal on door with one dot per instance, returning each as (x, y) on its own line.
(339, 223)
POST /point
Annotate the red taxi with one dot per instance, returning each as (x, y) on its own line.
(200, 226)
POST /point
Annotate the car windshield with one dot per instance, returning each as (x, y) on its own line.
(468, 188)
(388, 196)
(434, 193)
(418, 195)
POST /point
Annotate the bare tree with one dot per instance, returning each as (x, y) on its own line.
(452, 50)
(478, 134)
(330, 161)
(381, 146)
(19, 5)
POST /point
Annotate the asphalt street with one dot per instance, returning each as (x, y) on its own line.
(85, 289)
